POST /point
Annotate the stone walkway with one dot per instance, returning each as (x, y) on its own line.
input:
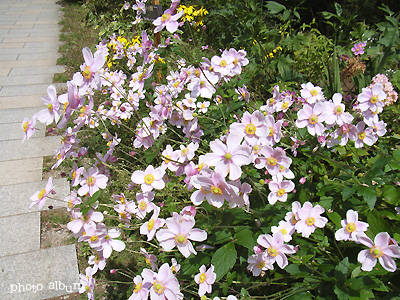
(28, 52)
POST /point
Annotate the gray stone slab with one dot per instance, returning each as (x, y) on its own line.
(20, 233)
(33, 147)
(24, 90)
(12, 203)
(28, 39)
(54, 271)
(15, 35)
(27, 50)
(25, 106)
(21, 171)
(35, 70)
(8, 57)
(28, 79)
(13, 131)
(50, 45)
(5, 71)
(11, 45)
(13, 26)
(44, 55)
(27, 63)
(44, 30)
(53, 33)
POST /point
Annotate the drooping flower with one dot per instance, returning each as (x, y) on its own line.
(205, 279)
(149, 228)
(141, 290)
(40, 197)
(87, 282)
(351, 227)
(309, 219)
(28, 126)
(51, 112)
(381, 249)
(179, 234)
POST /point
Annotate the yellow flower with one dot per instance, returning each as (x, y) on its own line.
(279, 48)
(271, 54)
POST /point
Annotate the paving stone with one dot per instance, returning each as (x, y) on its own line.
(15, 35)
(28, 63)
(44, 55)
(33, 147)
(5, 71)
(53, 272)
(8, 57)
(51, 22)
(24, 90)
(13, 26)
(13, 131)
(28, 79)
(29, 50)
(12, 203)
(35, 70)
(21, 171)
(28, 39)
(4, 45)
(31, 103)
(19, 233)
(53, 45)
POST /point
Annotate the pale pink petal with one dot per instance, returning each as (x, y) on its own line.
(382, 239)
(197, 235)
(387, 263)
(367, 260)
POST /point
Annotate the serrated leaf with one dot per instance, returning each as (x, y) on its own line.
(298, 270)
(245, 238)
(342, 269)
(369, 195)
(275, 7)
(341, 292)
(335, 218)
(224, 259)
(348, 191)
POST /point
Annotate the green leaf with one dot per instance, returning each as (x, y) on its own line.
(348, 191)
(341, 292)
(221, 237)
(298, 270)
(245, 238)
(377, 223)
(275, 7)
(338, 9)
(342, 269)
(224, 259)
(391, 195)
(369, 195)
(335, 218)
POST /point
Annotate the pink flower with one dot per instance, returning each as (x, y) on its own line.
(110, 243)
(144, 204)
(229, 157)
(286, 228)
(140, 291)
(89, 75)
(336, 114)
(179, 234)
(28, 126)
(149, 179)
(311, 93)
(309, 219)
(87, 282)
(150, 258)
(258, 263)
(276, 249)
(272, 159)
(51, 112)
(381, 249)
(359, 48)
(252, 128)
(279, 190)
(40, 197)
(312, 116)
(302, 180)
(168, 21)
(92, 182)
(149, 228)
(363, 136)
(351, 227)
(205, 280)
(372, 99)
(163, 285)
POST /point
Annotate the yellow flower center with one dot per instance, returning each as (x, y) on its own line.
(285, 105)
(281, 192)
(202, 278)
(50, 107)
(90, 181)
(25, 126)
(374, 99)
(313, 119)
(150, 224)
(143, 205)
(165, 17)
(41, 194)
(148, 179)
(271, 101)
(86, 73)
(272, 161)
(376, 251)
(123, 215)
(94, 238)
(310, 221)
(257, 149)
(351, 227)
(138, 287)
(223, 63)
(293, 219)
(158, 287)
(261, 264)
(283, 231)
(73, 175)
(122, 200)
(250, 129)
(180, 238)
(216, 190)
(314, 92)
(362, 135)
(272, 251)
(338, 110)
(228, 156)
(271, 131)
